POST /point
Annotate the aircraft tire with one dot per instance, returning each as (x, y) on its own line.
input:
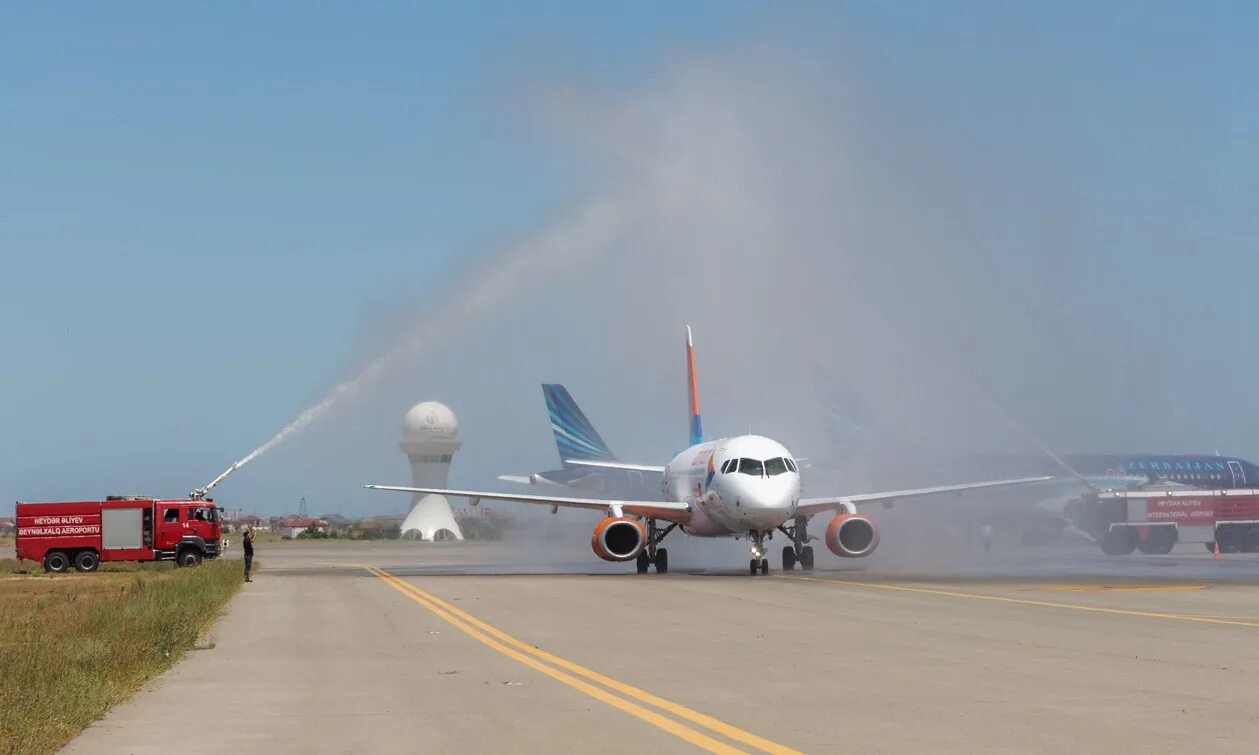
(789, 558)
(662, 561)
(806, 558)
(754, 567)
(764, 566)
(642, 563)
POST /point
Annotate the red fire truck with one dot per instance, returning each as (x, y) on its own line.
(1153, 521)
(119, 528)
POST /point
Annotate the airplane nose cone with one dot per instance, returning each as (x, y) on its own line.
(765, 503)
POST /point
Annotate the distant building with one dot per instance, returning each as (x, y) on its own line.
(7, 525)
(242, 522)
(292, 526)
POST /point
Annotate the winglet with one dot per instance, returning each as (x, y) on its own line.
(697, 428)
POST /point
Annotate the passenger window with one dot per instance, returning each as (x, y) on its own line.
(170, 515)
(751, 467)
(775, 467)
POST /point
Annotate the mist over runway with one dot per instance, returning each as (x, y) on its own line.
(398, 646)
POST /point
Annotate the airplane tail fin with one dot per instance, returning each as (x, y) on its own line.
(575, 437)
(697, 427)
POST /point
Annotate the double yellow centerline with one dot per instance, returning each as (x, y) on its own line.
(590, 682)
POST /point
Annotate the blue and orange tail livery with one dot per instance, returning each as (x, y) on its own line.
(697, 427)
(575, 437)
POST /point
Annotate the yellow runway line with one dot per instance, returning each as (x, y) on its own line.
(1122, 588)
(520, 651)
(1040, 603)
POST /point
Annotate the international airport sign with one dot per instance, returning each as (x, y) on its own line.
(1180, 510)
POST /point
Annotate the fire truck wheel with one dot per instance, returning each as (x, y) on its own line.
(1120, 541)
(188, 557)
(1250, 541)
(1229, 538)
(56, 562)
(1158, 542)
(87, 561)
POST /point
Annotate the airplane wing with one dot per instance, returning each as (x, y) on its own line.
(613, 465)
(668, 510)
(811, 506)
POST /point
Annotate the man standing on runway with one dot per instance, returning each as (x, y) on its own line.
(248, 547)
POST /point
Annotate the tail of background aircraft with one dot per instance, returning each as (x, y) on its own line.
(697, 427)
(575, 437)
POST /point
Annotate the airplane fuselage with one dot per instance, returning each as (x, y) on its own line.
(734, 485)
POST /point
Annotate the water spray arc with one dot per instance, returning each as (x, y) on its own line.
(501, 280)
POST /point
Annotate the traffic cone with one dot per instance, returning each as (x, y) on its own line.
(1216, 555)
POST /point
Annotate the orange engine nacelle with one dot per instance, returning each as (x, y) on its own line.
(618, 538)
(852, 536)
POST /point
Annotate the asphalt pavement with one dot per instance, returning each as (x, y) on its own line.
(413, 647)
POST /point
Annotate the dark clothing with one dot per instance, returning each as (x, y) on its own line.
(247, 545)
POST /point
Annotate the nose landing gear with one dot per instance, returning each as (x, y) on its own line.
(758, 563)
(798, 552)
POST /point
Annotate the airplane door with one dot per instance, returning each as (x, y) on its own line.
(1239, 474)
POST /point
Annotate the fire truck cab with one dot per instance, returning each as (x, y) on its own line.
(120, 528)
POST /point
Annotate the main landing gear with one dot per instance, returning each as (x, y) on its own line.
(758, 564)
(798, 552)
(651, 554)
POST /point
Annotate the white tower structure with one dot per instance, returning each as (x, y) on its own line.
(430, 437)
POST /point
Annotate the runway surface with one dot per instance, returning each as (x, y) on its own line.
(407, 647)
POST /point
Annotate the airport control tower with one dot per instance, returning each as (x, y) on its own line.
(430, 437)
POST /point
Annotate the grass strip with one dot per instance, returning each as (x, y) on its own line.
(72, 646)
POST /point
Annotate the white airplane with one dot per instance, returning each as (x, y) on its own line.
(745, 486)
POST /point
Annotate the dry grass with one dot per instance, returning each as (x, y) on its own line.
(13, 567)
(72, 645)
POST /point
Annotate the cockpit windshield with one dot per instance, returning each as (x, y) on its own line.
(758, 468)
(775, 466)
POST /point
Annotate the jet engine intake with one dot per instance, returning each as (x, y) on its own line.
(852, 536)
(618, 538)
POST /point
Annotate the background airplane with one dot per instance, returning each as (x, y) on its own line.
(744, 486)
(587, 463)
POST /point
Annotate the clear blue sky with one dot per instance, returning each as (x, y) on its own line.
(198, 199)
